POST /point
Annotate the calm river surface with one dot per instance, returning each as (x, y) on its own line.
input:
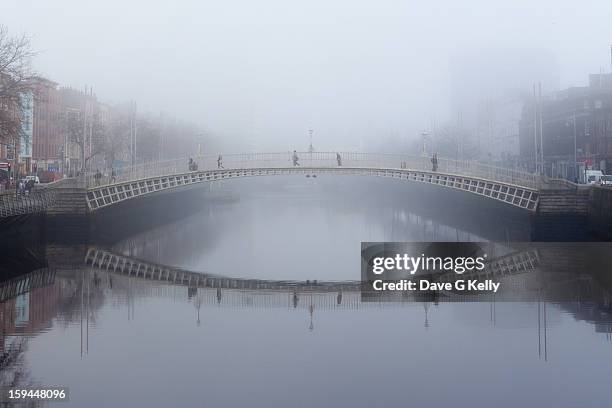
(119, 341)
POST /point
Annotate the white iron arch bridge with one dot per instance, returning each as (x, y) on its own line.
(514, 187)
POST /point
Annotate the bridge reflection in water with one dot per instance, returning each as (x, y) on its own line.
(552, 271)
(550, 276)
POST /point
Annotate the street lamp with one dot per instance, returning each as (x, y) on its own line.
(575, 171)
(575, 153)
(424, 135)
(310, 147)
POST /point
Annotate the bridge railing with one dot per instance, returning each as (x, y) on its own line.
(12, 204)
(317, 160)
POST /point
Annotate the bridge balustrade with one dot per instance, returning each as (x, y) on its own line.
(12, 204)
(314, 160)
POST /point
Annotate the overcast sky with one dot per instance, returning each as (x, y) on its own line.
(266, 71)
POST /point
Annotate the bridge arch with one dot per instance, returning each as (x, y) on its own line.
(511, 187)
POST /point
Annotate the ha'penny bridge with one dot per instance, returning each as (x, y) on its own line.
(513, 187)
(93, 192)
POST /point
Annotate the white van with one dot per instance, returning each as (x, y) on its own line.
(593, 176)
(606, 180)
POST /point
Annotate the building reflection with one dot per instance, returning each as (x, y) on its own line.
(71, 292)
(36, 302)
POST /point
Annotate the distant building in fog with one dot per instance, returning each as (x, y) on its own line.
(487, 91)
(576, 125)
(47, 137)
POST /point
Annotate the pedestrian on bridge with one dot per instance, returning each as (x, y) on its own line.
(113, 175)
(434, 162)
(220, 162)
(295, 159)
(339, 159)
(97, 177)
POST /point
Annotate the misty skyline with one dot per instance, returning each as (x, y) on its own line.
(263, 74)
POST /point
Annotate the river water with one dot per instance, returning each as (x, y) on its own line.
(120, 341)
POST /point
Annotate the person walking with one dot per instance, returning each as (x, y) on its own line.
(434, 162)
(295, 159)
(339, 159)
(97, 177)
(29, 186)
(113, 175)
(220, 162)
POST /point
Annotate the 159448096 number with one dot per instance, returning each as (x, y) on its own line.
(41, 394)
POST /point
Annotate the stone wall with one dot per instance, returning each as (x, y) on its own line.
(600, 212)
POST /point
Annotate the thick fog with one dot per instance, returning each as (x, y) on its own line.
(261, 73)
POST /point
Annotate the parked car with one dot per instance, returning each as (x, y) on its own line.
(606, 180)
(35, 178)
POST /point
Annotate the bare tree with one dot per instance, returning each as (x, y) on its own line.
(115, 140)
(149, 140)
(83, 132)
(15, 75)
(455, 142)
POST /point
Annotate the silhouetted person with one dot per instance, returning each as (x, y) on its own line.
(97, 177)
(191, 164)
(339, 159)
(311, 311)
(113, 175)
(295, 159)
(29, 185)
(434, 162)
(220, 162)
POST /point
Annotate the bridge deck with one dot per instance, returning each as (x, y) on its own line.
(515, 195)
(92, 192)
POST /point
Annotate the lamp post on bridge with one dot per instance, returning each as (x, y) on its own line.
(424, 135)
(310, 147)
